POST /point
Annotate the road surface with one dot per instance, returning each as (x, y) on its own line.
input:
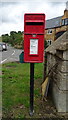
(10, 55)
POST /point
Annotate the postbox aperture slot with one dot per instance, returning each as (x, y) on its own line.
(34, 23)
(33, 46)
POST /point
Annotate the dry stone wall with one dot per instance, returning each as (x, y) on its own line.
(57, 62)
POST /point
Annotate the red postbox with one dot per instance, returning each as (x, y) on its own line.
(34, 26)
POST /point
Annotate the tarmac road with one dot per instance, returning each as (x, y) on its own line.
(10, 55)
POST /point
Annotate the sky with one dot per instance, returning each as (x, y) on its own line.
(12, 12)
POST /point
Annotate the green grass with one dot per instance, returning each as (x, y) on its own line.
(16, 87)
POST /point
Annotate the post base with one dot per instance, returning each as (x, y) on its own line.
(31, 113)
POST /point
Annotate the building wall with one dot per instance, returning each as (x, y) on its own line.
(62, 28)
(52, 36)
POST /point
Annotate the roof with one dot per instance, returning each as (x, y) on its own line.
(55, 22)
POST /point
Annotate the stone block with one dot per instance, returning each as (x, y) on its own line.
(65, 55)
(60, 99)
(51, 61)
(62, 54)
(62, 66)
(61, 79)
(59, 54)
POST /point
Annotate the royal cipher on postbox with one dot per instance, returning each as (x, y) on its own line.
(34, 28)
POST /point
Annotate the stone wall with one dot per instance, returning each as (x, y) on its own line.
(57, 62)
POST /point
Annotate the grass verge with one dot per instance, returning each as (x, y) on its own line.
(16, 93)
(16, 88)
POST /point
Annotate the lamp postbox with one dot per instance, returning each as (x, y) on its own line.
(34, 26)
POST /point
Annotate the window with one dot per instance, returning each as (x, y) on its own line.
(49, 42)
(49, 31)
(66, 21)
(63, 22)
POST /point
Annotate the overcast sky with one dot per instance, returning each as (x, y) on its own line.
(12, 13)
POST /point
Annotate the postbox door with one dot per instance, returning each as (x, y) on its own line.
(34, 48)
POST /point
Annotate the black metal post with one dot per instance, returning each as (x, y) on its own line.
(31, 88)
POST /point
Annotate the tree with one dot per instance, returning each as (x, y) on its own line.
(5, 38)
(15, 39)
